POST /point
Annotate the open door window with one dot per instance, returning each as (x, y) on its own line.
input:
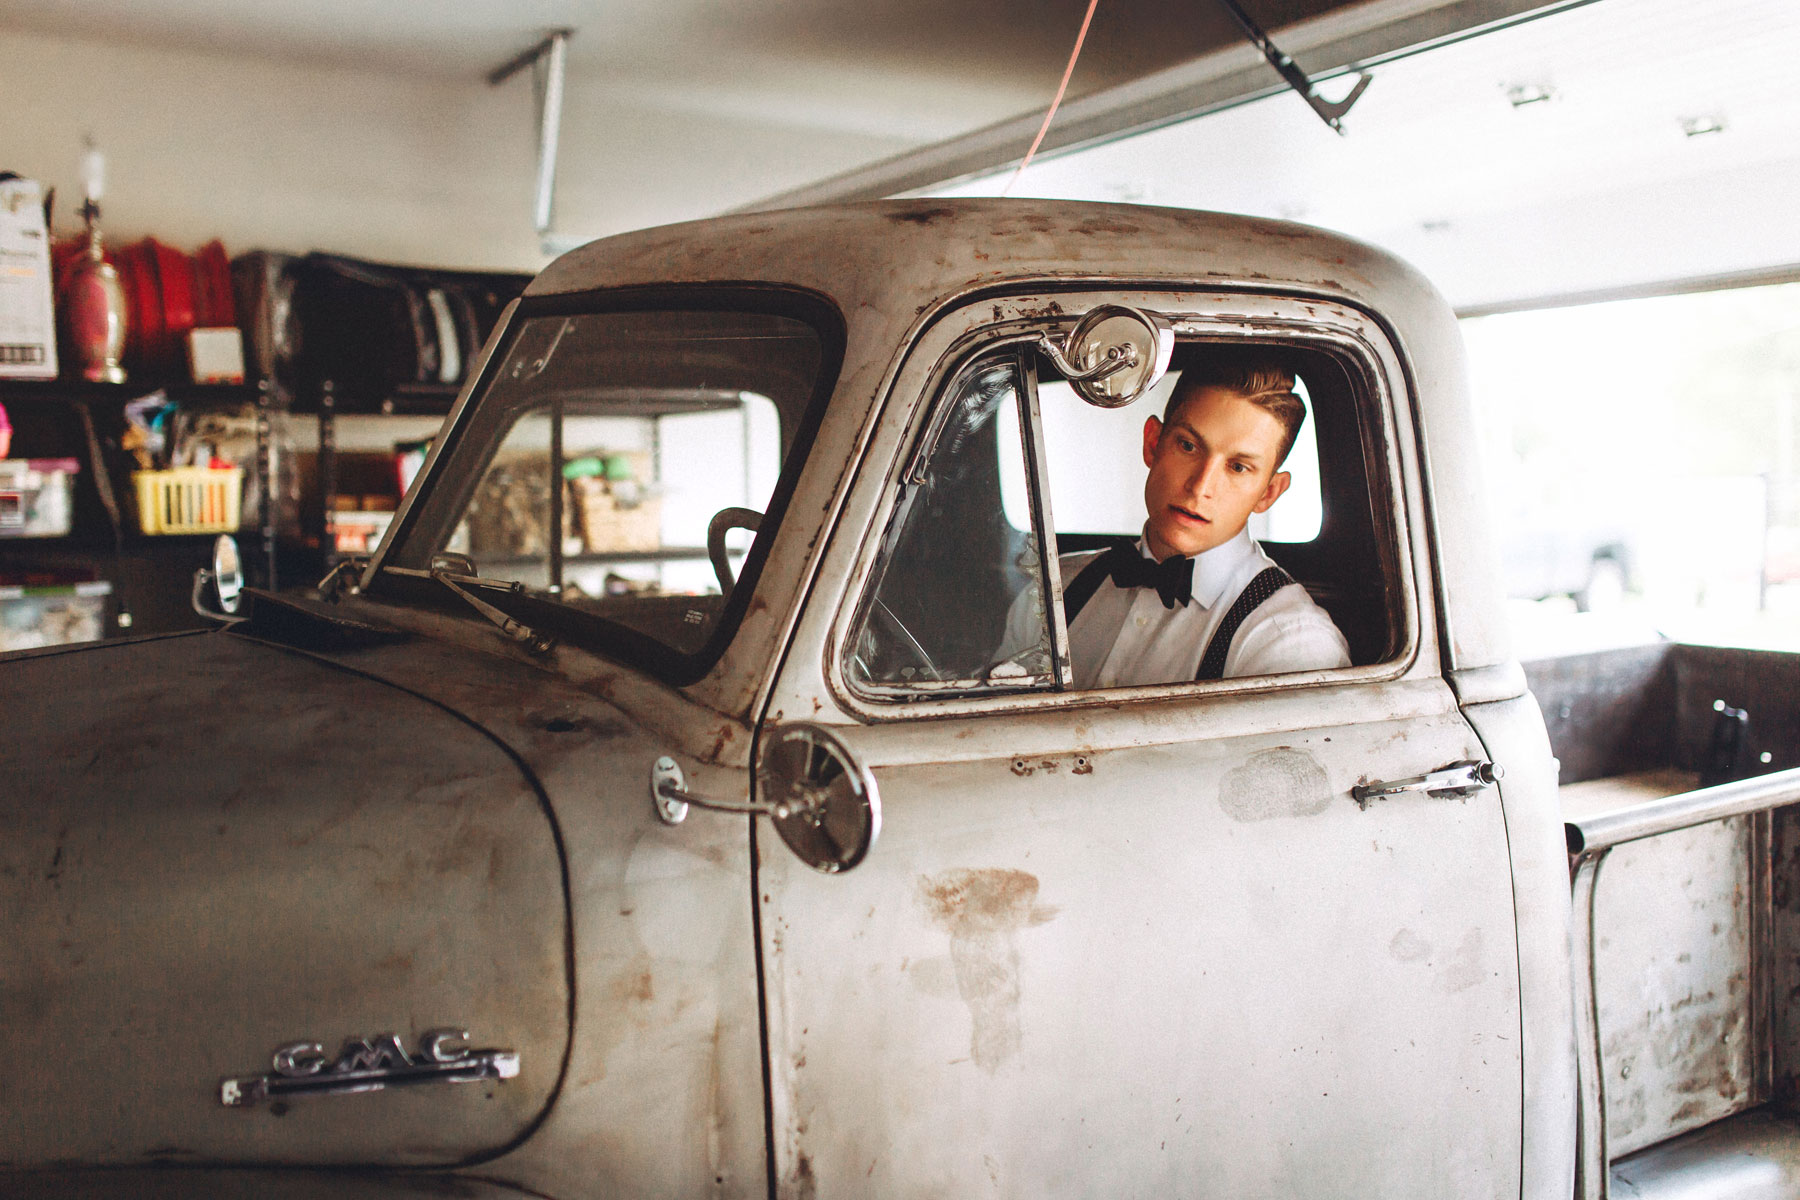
(962, 599)
(1016, 463)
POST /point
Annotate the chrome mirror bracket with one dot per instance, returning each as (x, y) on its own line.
(1114, 354)
(821, 799)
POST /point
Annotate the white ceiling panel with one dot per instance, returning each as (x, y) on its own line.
(1600, 186)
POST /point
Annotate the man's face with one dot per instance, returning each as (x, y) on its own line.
(1211, 466)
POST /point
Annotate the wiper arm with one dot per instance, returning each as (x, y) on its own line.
(518, 631)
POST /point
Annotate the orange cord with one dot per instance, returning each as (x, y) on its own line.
(1056, 103)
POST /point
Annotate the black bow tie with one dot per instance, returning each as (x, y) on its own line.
(1173, 577)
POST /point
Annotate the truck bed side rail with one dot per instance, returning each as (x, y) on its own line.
(1590, 839)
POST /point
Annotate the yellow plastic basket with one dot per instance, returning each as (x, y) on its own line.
(189, 499)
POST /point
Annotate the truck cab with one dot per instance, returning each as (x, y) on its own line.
(749, 847)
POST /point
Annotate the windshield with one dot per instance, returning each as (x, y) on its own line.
(622, 473)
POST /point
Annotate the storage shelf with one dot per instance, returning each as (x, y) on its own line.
(63, 391)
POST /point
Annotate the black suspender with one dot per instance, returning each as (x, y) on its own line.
(1270, 581)
(1087, 581)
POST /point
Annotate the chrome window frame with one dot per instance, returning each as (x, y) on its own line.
(980, 326)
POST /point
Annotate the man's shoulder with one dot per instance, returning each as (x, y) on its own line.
(1292, 604)
(1290, 632)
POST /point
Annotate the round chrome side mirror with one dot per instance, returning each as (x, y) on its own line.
(228, 572)
(833, 809)
(226, 580)
(1113, 355)
(821, 799)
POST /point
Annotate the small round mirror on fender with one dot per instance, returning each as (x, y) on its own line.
(224, 579)
(1113, 355)
(833, 811)
(228, 572)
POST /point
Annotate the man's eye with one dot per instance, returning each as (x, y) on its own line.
(1239, 467)
(1186, 446)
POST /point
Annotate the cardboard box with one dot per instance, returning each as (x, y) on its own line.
(27, 305)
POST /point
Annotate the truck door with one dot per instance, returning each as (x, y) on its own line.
(1141, 941)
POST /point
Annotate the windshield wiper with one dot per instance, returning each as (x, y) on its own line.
(518, 631)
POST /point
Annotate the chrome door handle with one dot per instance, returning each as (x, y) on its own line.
(1457, 779)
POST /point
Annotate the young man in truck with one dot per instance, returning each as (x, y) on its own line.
(1195, 597)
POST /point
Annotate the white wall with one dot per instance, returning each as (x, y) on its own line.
(269, 155)
(389, 166)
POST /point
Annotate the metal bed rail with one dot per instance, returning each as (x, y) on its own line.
(1590, 840)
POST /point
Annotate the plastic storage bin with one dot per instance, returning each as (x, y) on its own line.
(189, 499)
(35, 496)
(31, 617)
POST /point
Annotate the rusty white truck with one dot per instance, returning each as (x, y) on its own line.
(652, 814)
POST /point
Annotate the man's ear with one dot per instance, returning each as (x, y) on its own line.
(1152, 435)
(1278, 483)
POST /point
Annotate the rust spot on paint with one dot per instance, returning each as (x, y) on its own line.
(983, 909)
(1688, 1111)
(922, 216)
(804, 1184)
(639, 986)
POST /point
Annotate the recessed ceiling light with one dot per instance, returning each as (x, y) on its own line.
(1695, 126)
(1520, 95)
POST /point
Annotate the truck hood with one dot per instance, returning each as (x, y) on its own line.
(212, 847)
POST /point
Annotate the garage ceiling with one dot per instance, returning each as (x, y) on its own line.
(1620, 146)
(1013, 42)
(917, 70)
(681, 107)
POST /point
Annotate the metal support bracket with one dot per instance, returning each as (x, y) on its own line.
(668, 792)
(549, 62)
(1330, 111)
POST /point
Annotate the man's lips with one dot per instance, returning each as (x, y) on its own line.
(1185, 515)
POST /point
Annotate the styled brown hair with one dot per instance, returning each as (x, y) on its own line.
(1252, 372)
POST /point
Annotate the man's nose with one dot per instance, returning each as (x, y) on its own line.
(1206, 478)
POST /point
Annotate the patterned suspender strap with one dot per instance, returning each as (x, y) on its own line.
(1088, 580)
(1212, 663)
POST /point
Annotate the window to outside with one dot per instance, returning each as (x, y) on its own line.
(606, 451)
(1641, 459)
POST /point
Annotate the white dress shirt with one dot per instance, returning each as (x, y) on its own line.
(1124, 637)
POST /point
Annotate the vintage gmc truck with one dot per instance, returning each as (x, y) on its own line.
(652, 814)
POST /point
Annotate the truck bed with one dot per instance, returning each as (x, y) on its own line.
(1691, 939)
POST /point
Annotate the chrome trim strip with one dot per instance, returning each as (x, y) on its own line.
(1603, 831)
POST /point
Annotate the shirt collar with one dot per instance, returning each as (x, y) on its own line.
(1215, 568)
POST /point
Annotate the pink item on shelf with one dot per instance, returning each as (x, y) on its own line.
(5, 433)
